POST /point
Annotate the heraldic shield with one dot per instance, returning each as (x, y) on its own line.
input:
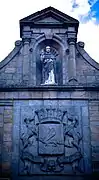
(51, 143)
(51, 139)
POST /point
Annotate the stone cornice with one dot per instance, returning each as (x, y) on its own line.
(84, 54)
(18, 45)
(65, 21)
(51, 88)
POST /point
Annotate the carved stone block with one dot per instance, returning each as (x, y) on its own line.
(51, 139)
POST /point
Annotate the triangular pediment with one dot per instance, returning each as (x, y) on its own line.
(48, 14)
(49, 20)
(49, 17)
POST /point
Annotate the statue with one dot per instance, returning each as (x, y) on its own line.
(48, 66)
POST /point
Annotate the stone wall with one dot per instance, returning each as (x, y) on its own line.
(7, 119)
(6, 123)
(19, 70)
(76, 89)
(94, 125)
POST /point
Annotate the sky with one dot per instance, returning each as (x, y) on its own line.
(86, 11)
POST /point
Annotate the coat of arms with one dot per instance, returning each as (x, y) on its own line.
(51, 139)
(51, 142)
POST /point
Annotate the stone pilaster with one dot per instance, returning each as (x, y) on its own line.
(26, 45)
(72, 60)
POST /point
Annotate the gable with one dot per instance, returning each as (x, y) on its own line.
(23, 66)
(50, 11)
(49, 18)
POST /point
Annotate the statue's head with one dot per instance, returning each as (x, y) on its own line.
(48, 48)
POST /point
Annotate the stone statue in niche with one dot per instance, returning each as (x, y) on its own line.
(48, 66)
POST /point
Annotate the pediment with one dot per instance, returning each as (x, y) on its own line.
(49, 20)
(49, 14)
(48, 17)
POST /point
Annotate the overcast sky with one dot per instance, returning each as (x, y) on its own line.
(87, 12)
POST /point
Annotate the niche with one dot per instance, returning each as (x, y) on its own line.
(49, 63)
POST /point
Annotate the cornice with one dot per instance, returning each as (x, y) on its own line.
(18, 45)
(51, 88)
(84, 54)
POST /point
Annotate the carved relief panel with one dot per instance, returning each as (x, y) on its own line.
(51, 140)
(49, 134)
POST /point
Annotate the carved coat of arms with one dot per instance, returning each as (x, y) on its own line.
(51, 142)
(51, 139)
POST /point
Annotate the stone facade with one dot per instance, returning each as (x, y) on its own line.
(48, 130)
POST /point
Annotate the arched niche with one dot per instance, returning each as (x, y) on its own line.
(56, 50)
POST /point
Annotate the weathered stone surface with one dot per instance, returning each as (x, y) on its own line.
(63, 94)
(10, 70)
(95, 136)
(95, 128)
(45, 131)
(18, 72)
(6, 167)
(46, 94)
(1, 135)
(8, 114)
(78, 94)
(93, 107)
(94, 118)
(7, 132)
(7, 147)
(7, 118)
(2, 95)
(53, 128)
(1, 120)
(26, 111)
(94, 113)
(0, 150)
